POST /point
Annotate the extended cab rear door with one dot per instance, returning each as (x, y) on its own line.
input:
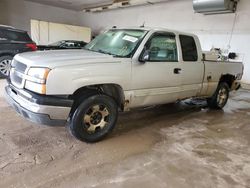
(155, 80)
(191, 66)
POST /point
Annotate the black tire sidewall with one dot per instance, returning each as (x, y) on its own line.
(212, 102)
(2, 58)
(76, 123)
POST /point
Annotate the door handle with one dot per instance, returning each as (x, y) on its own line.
(177, 71)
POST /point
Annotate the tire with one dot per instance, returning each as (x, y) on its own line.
(220, 97)
(5, 62)
(94, 118)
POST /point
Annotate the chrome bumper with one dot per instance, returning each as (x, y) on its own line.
(25, 104)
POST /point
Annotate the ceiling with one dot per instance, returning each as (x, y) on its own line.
(96, 5)
(74, 4)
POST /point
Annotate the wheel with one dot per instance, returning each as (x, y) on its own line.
(220, 97)
(94, 118)
(5, 63)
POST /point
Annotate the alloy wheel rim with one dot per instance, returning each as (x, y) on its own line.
(96, 118)
(5, 67)
(222, 97)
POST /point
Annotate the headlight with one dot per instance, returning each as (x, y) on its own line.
(38, 75)
(36, 80)
(38, 88)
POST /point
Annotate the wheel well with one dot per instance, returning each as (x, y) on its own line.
(228, 78)
(113, 90)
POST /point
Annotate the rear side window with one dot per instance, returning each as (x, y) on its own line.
(14, 35)
(69, 44)
(2, 38)
(189, 49)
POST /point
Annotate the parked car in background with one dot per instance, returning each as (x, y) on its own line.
(12, 42)
(64, 44)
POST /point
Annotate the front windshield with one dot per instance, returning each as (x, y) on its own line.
(120, 43)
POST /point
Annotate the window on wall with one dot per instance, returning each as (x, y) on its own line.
(189, 49)
(162, 47)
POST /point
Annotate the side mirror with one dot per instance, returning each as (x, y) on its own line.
(144, 56)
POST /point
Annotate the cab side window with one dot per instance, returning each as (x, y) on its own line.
(189, 49)
(163, 48)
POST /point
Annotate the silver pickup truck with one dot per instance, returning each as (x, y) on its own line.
(119, 70)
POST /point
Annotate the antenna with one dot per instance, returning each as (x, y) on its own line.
(143, 25)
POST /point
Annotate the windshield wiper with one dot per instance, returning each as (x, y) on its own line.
(105, 52)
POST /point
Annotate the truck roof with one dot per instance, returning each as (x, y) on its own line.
(6, 27)
(158, 29)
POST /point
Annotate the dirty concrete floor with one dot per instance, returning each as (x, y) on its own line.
(173, 145)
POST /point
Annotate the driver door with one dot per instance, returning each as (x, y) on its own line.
(156, 80)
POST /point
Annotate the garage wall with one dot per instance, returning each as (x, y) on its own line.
(18, 13)
(3, 13)
(213, 30)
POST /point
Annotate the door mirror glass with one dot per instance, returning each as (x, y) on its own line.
(145, 56)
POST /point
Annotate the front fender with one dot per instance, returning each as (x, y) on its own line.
(66, 80)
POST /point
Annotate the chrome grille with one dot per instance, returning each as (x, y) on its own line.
(20, 67)
(15, 78)
(17, 70)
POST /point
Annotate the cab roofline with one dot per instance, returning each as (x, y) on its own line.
(155, 29)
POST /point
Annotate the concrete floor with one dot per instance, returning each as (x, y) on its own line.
(173, 145)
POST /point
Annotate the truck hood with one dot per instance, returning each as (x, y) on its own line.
(57, 58)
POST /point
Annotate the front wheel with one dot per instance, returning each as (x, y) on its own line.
(94, 118)
(220, 97)
(5, 64)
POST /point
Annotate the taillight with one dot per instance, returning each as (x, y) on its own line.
(32, 46)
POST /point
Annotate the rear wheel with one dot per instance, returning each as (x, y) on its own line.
(94, 118)
(220, 97)
(5, 64)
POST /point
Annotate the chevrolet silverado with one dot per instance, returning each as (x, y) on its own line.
(119, 70)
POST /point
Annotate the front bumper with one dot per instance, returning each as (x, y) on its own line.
(46, 110)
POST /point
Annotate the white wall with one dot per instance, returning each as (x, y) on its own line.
(18, 13)
(213, 30)
(44, 33)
